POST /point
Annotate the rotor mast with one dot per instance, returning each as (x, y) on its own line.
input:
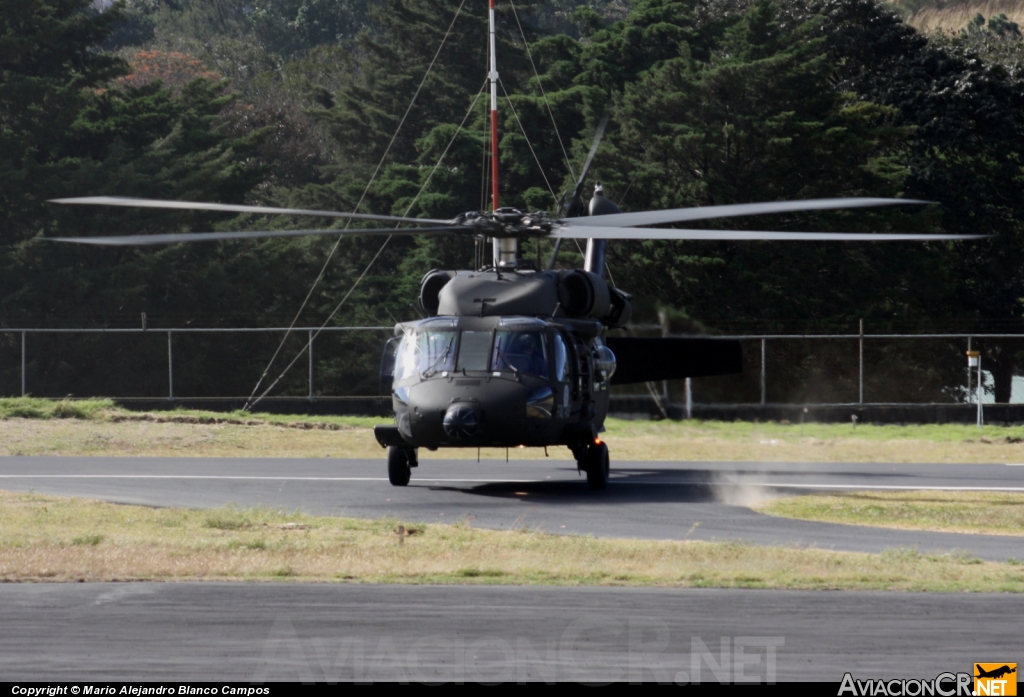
(506, 249)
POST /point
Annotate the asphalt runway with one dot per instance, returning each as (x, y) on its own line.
(174, 632)
(317, 633)
(658, 500)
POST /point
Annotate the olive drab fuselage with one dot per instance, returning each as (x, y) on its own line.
(508, 358)
(498, 381)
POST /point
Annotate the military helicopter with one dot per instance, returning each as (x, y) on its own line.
(511, 354)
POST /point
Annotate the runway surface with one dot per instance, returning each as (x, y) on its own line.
(317, 633)
(257, 632)
(659, 500)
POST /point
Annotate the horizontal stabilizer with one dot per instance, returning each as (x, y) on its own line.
(643, 359)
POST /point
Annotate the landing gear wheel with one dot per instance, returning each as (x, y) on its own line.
(399, 465)
(598, 466)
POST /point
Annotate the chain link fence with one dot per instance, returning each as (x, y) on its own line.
(192, 363)
(855, 370)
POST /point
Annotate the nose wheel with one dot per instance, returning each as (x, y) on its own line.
(400, 464)
(597, 465)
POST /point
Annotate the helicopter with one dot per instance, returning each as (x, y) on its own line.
(511, 354)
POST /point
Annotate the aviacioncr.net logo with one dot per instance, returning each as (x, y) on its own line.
(945, 685)
(995, 679)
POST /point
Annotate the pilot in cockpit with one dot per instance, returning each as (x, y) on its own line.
(531, 354)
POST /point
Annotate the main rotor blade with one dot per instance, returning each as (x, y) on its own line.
(573, 206)
(231, 208)
(130, 240)
(593, 151)
(628, 233)
(679, 215)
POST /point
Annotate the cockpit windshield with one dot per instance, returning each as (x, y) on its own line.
(424, 353)
(521, 351)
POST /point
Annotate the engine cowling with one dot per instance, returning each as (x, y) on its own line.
(430, 290)
(575, 293)
(583, 294)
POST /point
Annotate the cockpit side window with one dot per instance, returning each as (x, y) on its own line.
(561, 358)
(521, 351)
(424, 353)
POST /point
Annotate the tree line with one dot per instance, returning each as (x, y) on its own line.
(300, 103)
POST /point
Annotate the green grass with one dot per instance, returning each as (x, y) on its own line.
(743, 430)
(33, 408)
(49, 538)
(981, 512)
(108, 410)
(103, 429)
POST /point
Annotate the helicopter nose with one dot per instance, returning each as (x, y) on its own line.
(461, 422)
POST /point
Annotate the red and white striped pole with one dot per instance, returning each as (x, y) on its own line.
(506, 249)
(494, 113)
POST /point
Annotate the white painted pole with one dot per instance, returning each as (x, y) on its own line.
(861, 366)
(969, 384)
(981, 416)
(170, 365)
(310, 365)
(764, 372)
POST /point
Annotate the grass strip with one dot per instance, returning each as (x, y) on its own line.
(108, 410)
(31, 426)
(171, 435)
(33, 408)
(980, 512)
(766, 433)
(47, 538)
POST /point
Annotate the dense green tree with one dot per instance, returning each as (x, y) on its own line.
(711, 103)
(48, 76)
(70, 129)
(964, 153)
(716, 107)
(288, 28)
(364, 115)
(293, 27)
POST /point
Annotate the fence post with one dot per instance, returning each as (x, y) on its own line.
(764, 373)
(688, 388)
(970, 398)
(981, 417)
(170, 365)
(23, 364)
(310, 348)
(860, 380)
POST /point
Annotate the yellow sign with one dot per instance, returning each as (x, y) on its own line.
(995, 679)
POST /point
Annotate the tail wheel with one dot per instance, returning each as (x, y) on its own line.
(598, 466)
(399, 465)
